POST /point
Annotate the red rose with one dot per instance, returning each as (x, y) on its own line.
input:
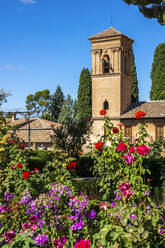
(131, 149)
(121, 147)
(115, 130)
(36, 170)
(13, 141)
(73, 165)
(25, 174)
(21, 146)
(68, 167)
(140, 114)
(142, 150)
(99, 145)
(103, 112)
(19, 166)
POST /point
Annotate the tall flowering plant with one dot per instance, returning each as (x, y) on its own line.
(130, 218)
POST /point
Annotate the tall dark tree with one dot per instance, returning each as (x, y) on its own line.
(158, 74)
(56, 103)
(134, 82)
(150, 8)
(85, 95)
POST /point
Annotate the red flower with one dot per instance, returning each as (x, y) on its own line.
(143, 150)
(99, 145)
(82, 244)
(140, 114)
(36, 170)
(73, 165)
(115, 130)
(103, 112)
(25, 174)
(131, 149)
(68, 167)
(21, 146)
(13, 141)
(121, 147)
(19, 166)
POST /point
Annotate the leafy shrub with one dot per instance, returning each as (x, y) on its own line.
(84, 167)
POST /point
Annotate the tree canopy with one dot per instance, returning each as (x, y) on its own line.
(39, 103)
(3, 96)
(158, 74)
(85, 95)
(150, 8)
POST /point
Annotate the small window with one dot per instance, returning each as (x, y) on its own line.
(159, 132)
(106, 62)
(106, 105)
(128, 133)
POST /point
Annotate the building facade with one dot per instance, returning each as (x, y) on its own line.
(111, 88)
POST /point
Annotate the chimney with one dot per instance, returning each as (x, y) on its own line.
(13, 117)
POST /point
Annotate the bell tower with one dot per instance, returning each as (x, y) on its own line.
(111, 73)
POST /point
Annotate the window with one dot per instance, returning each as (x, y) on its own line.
(159, 132)
(106, 62)
(106, 105)
(128, 133)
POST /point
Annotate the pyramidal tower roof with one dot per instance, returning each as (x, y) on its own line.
(110, 32)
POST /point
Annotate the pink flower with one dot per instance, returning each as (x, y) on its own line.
(33, 218)
(83, 244)
(129, 159)
(25, 226)
(104, 205)
(142, 150)
(34, 227)
(121, 147)
(9, 236)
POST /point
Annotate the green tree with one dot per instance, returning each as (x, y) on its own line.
(57, 101)
(134, 82)
(3, 96)
(68, 111)
(39, 103)
(150, 8)
(158, 74)
(85, 95)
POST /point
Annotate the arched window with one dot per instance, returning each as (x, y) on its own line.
(106, 63)
(106, 105)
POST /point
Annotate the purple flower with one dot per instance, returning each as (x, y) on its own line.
(161, 230)
(41, 240)
(148, 207)
(113, 204)
(77, 225)
(132, 216)
(92, 214)
(8, 196)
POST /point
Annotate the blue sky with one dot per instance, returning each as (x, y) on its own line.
(45, 43)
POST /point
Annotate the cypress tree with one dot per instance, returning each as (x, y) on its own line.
(56, 103)
(158, 74)
(134, 82)
(85, 95)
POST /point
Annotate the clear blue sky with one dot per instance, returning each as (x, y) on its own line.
(45, 43)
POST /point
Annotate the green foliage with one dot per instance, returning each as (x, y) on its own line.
(68, 111)
(85, 95)
(3, 96)
(38, 104)
(150, 8)
(158, 74)
(57, 101)
(134, 82)
(71, 136)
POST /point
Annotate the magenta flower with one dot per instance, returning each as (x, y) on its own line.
(131, 149)
(142, 150)
(9, 236)
(83, 244)
(121, 147)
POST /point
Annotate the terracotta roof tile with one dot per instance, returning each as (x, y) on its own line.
(106, 33)
(153, 109)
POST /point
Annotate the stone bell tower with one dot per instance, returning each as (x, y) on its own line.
(111, 73)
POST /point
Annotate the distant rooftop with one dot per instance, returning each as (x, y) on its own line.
(153, 109)
(110, 32)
